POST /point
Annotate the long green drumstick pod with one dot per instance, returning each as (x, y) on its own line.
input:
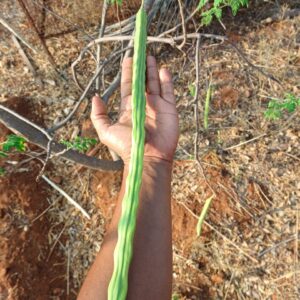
(118, 286)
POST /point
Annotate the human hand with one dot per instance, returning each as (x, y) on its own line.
(161, 124)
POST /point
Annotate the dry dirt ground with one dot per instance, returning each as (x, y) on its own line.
(249, 246)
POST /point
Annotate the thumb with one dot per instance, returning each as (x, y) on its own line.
(99, 116)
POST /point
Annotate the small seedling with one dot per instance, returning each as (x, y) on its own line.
(2, 171)
(192, 90)
(206, 107)
(80, 144)
(119, 2)
(13, 142)
(277, 107)
(203, 214)
(217, 8)
(3, 154)
(175, 297)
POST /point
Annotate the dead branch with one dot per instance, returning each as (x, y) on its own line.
(196, 99)
(111, 89)
(71, 200)
(178, 25)
(183, 24)
(260, 70)
(153, 39)
(16, 33)
(26, 60)
(78, 27)
(278, 15)
(40, 137)
(112, 58)
(35, 29)
(101, 33)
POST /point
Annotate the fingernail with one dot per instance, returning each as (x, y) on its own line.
(97, 95)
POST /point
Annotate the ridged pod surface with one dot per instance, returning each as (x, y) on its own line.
(123, 252)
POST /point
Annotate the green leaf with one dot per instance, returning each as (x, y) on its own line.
(202, 3)
(277, 107)
(192, 89)
(175, 297)
(206, 107)
(216, 8)
(217, 3)
(80, 144)
(2, 171)
(3, 154)
(203, 214)
(119, 2)
(14, 142)
(235, 7)
(207, 17)
(218, 12)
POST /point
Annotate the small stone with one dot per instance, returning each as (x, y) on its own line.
(50, 82)
(67, 111)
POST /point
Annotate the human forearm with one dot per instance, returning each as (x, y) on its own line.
(150, 274)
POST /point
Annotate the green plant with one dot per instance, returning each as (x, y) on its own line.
(203, 214)
(192, 90)
(277, 107)
(216, 8)
(80, 144)
(2, 171)
(206, 106)
(12, 142)
(119, 2)
(123, 252)
(175, 297)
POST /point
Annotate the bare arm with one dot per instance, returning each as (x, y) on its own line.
(150, 274)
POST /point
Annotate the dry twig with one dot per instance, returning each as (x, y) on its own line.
(183, 24)
(16, 33)
(79, 28)
(26, 60)
(101, 33)
(63, 193)
(32, 24)
(112, 58)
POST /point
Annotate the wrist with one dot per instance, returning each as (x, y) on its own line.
(153, 165)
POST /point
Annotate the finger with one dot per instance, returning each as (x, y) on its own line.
(153, 83)
(126, 79)
(166, 86)
(99, 116)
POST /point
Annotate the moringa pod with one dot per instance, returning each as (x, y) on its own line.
(118, 286)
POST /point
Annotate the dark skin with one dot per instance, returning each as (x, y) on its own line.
(150, 273)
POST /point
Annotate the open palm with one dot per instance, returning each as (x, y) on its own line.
(161, 115)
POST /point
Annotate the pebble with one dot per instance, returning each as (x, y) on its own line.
(50, 82)
(66, 111)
